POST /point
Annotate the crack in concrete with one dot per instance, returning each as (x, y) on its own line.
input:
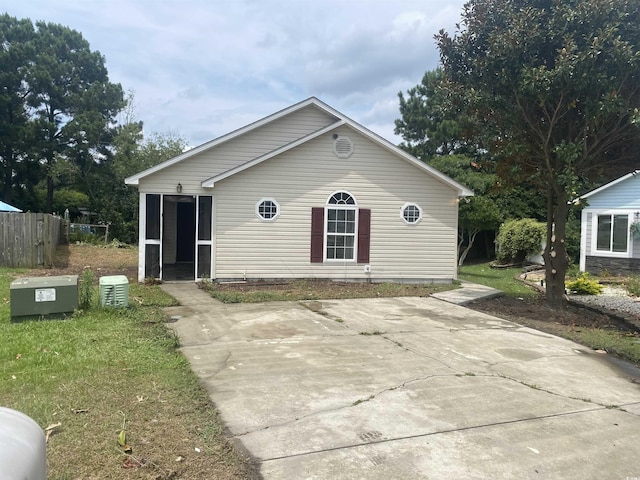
(403, 384)
(429, 434)
(415, 352)
(550, 392)
(622, 409)
(349, 405)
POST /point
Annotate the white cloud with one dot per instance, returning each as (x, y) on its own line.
(203, 68)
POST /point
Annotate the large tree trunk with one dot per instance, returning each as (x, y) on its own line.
(555, 257)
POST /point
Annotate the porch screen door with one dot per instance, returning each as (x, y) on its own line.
(153, 214)
(204, 236)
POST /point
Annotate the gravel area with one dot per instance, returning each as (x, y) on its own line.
(613, 298)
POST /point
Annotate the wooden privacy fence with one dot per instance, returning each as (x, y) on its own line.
(28, 240)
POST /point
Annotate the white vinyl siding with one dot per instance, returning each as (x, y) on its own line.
(623, 195)
(237, 151)
(304, 178)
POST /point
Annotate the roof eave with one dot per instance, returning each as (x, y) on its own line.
(606, 186)
(135, 179)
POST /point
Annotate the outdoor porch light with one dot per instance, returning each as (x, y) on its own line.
(179, 188)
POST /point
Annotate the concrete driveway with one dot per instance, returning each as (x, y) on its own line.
(408, 388)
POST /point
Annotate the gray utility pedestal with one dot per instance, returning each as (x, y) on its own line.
(23, 454)
(38, 296)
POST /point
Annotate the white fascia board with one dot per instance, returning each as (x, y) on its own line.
(607, 185)
(135, 179)
(210, 182)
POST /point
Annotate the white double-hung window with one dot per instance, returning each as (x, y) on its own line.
(341, 227)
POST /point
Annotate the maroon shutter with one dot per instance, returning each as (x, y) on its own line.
(364, 234)
(317, 234)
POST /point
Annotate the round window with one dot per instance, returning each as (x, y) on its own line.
(267, 209)
(411, 213)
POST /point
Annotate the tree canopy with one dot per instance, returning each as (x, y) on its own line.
(69, 136)
(430, 125)
(57, 107)
(553, 89)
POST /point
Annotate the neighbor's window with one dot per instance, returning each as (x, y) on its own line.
(267, 209)
(612, 233)
(411, 213)
(340, 228)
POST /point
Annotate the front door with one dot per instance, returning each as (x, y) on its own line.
(178, 237)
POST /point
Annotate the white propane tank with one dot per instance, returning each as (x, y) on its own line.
(23, 453)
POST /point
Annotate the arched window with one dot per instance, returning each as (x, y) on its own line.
(341, 227)
(340, 230)
(341, 198)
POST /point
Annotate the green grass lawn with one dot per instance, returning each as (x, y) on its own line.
(99, 370)
(500, 278)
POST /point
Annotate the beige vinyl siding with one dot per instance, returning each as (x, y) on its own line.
(237, 151)
(304, 178)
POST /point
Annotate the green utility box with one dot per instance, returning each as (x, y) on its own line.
(44, 295)
(114, 291)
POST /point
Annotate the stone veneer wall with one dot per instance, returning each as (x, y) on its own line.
(615, 266)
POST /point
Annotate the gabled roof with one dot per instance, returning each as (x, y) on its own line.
(608, 185)
(341, 120)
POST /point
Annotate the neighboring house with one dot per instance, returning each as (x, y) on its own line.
(5, 207)
(607, 239)
(303, 193)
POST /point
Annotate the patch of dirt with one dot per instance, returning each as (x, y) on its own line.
(534, 313)
(103, 260)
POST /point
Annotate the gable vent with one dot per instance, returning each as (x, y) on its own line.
(343, 147)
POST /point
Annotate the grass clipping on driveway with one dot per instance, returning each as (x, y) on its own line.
(119, 397)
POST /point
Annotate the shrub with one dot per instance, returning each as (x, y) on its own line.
(517, 238)
(584, 285)
(633, 286)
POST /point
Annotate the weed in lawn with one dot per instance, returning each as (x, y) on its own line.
(85, 290)
(633, 285)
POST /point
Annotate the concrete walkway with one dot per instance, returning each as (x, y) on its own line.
(407, 388)
(468, 292)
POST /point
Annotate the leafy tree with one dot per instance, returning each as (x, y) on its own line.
(72, 103)
(554, 91)
(113, 201)
(477, 213)
(16, 54)
(430, 125)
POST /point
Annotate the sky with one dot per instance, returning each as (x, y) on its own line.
(203, 68)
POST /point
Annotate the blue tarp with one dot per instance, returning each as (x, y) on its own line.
(5, 207)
